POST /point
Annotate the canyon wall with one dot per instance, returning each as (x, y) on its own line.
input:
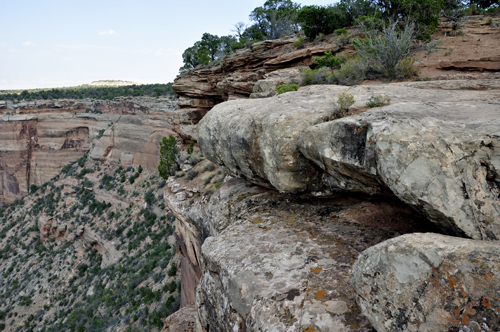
(38, 138)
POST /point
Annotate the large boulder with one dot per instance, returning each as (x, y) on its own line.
(257, 139)
(429, 282)
(441, 158)
(437, 150)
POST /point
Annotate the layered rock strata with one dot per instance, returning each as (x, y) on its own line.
(429, 282)
(235, 75)
(439, 156)
(39, 138)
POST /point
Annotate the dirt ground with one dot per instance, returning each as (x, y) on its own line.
(473, 39)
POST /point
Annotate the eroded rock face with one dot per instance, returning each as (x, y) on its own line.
(438, 156)
(91, 240)
(38, 138)
(50, 228)
(282, 263)
(429, 282)
(257, 139)
(488, 64)
(181, 321)
(235, 76)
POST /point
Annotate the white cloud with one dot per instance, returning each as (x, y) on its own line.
(109, 32)
(27, 43)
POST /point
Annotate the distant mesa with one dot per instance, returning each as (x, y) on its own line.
(112, 83)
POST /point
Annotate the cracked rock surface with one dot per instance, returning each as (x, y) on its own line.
(429, 282)
(437, 150)
(283, 263)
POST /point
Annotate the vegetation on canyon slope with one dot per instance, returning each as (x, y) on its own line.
(95, 92)
(56, 280)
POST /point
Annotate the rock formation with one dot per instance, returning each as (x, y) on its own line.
(277, 261)
(436, 155)
(429, 282)
(39, 138)
(234, 77)
(91, 240)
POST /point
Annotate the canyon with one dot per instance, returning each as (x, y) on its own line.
(40, 138)
(288, 215)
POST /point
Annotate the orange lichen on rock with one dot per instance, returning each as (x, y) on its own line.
(316, 269)
(320, 294)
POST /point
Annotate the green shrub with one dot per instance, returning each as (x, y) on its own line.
(377, 101)
(172, 271)
(318, 19)
(307, 76)
(351, 72)
(101, 132)
(121, 191)
(344, 101)
(299, 43)
(282, 88)
(328, 61)
(191, 175)
(149, 197)
(190, 148)
(407, 69)
(33, 188)
(422, 13)
(340, 32)
(169, 152)
(383, 53)
(370, 23)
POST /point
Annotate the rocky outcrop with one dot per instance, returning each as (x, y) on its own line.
(283, 263)
(38, 138)
(267, 86)
(483, 64)
(276, 261)
(91, 240)
(434, 155)
(235, 75)
(181, 321)
(49, 228)
(429, 282)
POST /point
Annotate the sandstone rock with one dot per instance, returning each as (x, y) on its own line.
(181, 321)
(256, 139)
(488, 64)
(91, 240)
(267, 87)
(40, 140)
(437, 157)
(449, 174)
(45, 226)
(50, 228)
(429, 282)
(235, 76)
(281, 263)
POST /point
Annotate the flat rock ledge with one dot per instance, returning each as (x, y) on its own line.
(438, 150)
(429, 282)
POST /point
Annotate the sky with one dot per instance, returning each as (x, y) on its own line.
(56, 43)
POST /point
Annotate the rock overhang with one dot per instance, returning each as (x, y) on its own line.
(426, 147)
